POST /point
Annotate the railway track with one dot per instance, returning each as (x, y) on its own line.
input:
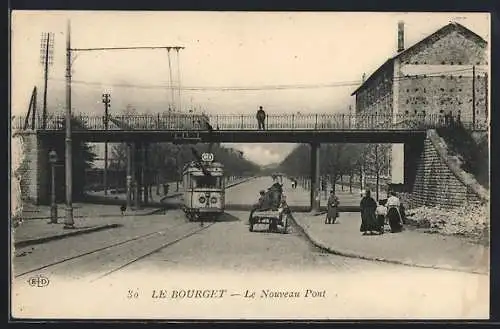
(119, 255)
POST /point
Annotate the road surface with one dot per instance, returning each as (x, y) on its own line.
(166, 252)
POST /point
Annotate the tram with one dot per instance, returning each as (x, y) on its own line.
(204, 189)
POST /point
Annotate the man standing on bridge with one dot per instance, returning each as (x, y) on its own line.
(261, 118)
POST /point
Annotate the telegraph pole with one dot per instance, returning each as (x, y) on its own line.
(473, 97)
(46, 51)
(69, 222)
(106, 99)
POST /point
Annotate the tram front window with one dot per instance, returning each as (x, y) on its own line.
(206, 182)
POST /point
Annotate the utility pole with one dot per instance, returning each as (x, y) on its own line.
(69, 222)
(473, 97)
(170, 73)
(46, 55)
(377, 168)
(106, 99)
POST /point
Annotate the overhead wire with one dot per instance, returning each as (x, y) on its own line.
(266, 87)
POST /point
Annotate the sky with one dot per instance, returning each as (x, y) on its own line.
(222, 49)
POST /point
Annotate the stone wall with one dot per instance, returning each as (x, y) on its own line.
(440, 181)
(436, 77)
(456, 47)
(33, 172)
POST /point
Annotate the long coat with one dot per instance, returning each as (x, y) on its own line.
(368, 218)
(332, 204)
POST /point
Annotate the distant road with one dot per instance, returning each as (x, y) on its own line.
(248, 193)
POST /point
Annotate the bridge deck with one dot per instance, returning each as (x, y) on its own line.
(245, 136)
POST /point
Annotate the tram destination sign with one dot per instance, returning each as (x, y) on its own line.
(207, 157)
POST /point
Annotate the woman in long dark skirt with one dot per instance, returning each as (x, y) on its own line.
(394, 213)
(369, 223)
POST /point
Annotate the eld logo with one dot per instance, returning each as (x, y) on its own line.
(38, 281)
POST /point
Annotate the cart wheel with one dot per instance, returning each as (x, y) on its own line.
(273, 225)
(250, 226)
(285, 224)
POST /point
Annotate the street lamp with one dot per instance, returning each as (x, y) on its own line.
(53, 206)
(106, 99)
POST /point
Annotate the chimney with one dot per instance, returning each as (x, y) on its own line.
(401, 36)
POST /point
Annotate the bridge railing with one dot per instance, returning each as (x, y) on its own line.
(186, 121)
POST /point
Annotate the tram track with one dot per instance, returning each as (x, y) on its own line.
(155, 238)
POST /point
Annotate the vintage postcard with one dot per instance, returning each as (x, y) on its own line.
(250, 165)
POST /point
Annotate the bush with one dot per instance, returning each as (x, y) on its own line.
(473, 155)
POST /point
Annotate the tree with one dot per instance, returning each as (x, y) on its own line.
(377, 162)
(83, 159)
(336, 160)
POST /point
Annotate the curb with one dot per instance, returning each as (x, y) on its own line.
(352, 254)
(34, 241)
(30, 242)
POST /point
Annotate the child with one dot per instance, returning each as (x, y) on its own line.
(381, 212)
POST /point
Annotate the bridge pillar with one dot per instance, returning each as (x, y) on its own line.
(32, 156)
(315, 183)
(397, 164)
(129, 175)
(412, 153)
(145, 172)
(137, 169)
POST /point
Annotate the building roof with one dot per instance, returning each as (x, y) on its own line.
(452, 26)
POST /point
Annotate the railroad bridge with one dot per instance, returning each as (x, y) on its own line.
(138, 131)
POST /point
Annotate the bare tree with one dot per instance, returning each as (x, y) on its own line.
(377, 162)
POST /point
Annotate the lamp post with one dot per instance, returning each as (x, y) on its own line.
(106, 99)
(53, 206)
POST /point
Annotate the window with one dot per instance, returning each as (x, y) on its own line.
(206, 181)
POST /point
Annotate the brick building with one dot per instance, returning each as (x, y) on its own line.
(433, 77)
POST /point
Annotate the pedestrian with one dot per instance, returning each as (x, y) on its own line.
(123, 207)
(368, 220)
(381, 212)
(332, 212)
(394, 213)
(261, 118)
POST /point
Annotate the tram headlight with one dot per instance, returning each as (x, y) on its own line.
(202, 199)
(213, 200)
